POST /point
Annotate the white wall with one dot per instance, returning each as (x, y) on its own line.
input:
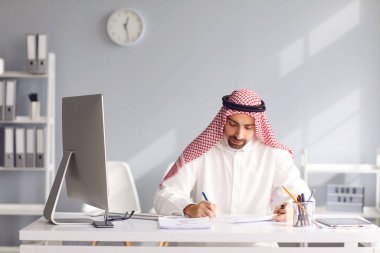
(315, 64)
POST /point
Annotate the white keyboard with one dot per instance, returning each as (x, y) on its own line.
(143, 216)
(146, 216)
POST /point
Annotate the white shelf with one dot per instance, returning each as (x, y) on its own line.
(21, 74)
(25, 120)
(9, 249)
(47, 122)
(368, 212)
(23, 169)
(342, 168)
(21, 209)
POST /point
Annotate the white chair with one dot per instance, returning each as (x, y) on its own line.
(122, 192)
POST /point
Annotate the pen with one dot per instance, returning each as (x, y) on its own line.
(204, 195)
(311, 195)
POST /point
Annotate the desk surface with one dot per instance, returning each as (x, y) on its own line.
(147, 230)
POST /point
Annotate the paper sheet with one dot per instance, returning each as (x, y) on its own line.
(175, 222)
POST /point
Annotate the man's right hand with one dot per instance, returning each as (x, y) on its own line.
(203, 209)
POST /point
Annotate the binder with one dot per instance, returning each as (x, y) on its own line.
(10, 100)
(2, 104)
(30, 157)
(8, 147)
(41, 53)
(20, 147)
(40, 154)
(31, 47)
(2, 146)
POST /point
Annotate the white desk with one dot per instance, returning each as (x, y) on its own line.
(42, 237)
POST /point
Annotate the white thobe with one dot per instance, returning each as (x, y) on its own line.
(239, 181)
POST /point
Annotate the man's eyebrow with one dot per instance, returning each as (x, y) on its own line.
(232, 120)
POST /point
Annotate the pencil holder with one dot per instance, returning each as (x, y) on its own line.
(303, 213)
(34, 110)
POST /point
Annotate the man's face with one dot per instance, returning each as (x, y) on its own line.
(239, 128)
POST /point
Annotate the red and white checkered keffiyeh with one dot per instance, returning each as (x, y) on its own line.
(214, 132)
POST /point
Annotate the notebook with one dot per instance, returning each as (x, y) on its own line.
(343, 222)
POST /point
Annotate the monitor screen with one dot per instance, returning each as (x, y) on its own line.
(83, 165)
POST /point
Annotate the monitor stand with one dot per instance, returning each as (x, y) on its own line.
(51, 203)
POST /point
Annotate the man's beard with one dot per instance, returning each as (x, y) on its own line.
(235, 143)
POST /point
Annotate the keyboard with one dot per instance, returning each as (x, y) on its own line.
(146, 216)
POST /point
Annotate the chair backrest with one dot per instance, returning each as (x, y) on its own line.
(122, 192)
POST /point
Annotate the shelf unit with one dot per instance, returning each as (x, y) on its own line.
(47, 122)
(321, 168)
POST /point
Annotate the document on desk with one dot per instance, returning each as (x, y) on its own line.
(228, 218)
(179, 222)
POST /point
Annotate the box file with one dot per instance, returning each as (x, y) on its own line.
(20, 147)
(40, 150)
(41, 53)
(8, 147)
(2, 104)
(31, 47)
(10, 100)
(30, 156)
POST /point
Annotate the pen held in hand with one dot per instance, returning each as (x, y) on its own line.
(204, 196)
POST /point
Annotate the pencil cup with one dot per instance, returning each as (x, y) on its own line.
(303, 213)
(34, 110)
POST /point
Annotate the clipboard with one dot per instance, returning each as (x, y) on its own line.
(343, 222)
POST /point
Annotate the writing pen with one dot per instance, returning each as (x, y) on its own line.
(204, 195)
(311, 195)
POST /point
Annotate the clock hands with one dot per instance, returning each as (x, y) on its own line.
(126, 29)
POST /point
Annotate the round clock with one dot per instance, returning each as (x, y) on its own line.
(125, 27)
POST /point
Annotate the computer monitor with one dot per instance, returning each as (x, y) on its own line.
(83, 164)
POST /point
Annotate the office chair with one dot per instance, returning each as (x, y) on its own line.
(122, 192)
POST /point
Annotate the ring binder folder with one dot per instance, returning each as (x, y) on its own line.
(8, 149)
(31, 47)
(30, 156)
(40, 153)
(2, 106)
(20, 147)
(10, 99)
(41, 53)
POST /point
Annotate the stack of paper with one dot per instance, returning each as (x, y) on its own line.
(174, 222)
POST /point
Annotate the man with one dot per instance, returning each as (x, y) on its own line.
(237, 162)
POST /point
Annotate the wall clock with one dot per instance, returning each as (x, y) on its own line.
(125, 27)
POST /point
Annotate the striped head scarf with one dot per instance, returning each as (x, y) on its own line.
(240, 101)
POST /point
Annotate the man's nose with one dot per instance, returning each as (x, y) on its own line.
(239, 133)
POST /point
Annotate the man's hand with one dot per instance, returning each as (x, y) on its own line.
(284, 212)
(203, 209)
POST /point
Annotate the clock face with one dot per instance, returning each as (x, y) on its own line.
(125, 27)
